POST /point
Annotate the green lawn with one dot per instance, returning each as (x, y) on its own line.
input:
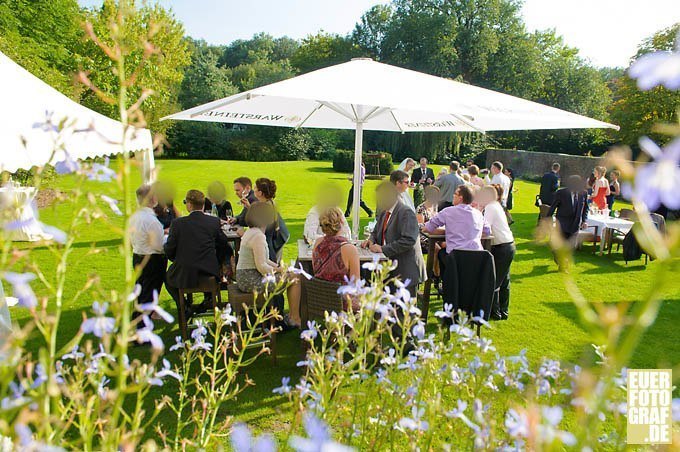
(542, 318)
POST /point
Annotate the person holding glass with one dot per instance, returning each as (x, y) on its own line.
(216, 203)
(426, 211)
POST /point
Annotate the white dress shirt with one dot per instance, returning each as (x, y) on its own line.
(146, 232)
(505, 182)
(313, 231)
(494, 215)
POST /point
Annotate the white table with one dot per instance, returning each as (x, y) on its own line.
(19, 200)
(305, 252)
(605, 224)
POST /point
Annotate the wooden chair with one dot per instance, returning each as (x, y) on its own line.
(206, 284)
(240, 300)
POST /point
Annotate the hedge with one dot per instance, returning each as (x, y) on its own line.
(376, 162)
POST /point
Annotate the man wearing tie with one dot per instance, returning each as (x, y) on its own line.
(422, 176)
(395, 234)
(570, 207)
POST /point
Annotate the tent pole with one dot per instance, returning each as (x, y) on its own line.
(358, 145)
(148, 166)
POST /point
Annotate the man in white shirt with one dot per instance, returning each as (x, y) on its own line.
(502, 180)
(146, 237)
(502, 249)
(328, 196)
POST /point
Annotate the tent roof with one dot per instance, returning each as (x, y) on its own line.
(24, 143)
(399, 100)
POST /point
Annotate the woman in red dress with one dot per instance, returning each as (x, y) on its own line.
(600, 188)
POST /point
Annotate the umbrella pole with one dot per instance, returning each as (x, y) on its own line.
(358, 144)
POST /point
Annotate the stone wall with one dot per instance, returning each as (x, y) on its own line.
(532, 165)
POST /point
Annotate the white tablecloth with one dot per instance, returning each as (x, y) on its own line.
(604, 223)
(18, 200)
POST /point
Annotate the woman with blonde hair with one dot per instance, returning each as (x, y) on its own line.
(600, 188)
(333, 257)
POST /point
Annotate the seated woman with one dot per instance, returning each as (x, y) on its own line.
(254, 262)
(426, 211)
(277, 233)
(217, 194)
(165, 210)
(334, 258)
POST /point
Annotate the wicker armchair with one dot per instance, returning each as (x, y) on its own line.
(321, 297)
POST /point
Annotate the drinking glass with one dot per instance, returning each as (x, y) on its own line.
(617, 214)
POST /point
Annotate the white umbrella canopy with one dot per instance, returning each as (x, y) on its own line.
(25, 141)
(366, 95)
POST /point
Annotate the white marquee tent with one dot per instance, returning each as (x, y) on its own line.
(366, 95)
(28, 100)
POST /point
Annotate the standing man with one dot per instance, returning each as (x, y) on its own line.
(570, 207)
(196, 246)
(448, 184)
(146, 237)
(550, 183)
(350, 198)
(422, 177)
(501, 179)
(395, 235)
(243, 187)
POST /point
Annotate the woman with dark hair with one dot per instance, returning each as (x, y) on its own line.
(217, 194)
(277, 233)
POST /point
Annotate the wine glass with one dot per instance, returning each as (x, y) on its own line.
(617, 214)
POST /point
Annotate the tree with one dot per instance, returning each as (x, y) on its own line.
(635, 111)
(42, 37)
(369, 33)
(162, 73)
(323, 49)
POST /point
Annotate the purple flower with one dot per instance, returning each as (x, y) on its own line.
(227, 317)
(284, 388)
(657, 69)
(414, 422)
(146, 335)
(516, 424)
(101, 173)
(21, 290)
(100, 324)
(154, 306)
(102, 390)
(113, 204)
(47, 125)
(178, 344)
(74, 354)
(40, 376)
(657, 182)
(299, 271)
(66, 166)
(166, 371)
(311, 332)
(318, 438)
(242, 440)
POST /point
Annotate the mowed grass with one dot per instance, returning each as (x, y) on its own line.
(543, 320)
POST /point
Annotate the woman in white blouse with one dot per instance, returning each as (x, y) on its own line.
(329, 196)
(502, 249)
(254, 263)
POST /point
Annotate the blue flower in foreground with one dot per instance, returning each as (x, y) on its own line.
(311, 332)
(319, 438)
(415, 422)
(101, 173)
(657, 182)
(113, 204)
(102, 390)
(21, 289)
(146, 335)
(66, 166)
(100, 324)
(242, 440)
(658, 69)
(284, 388)
(154, 306)
(40, 376)
(166, 371)
(178, 344)
(74, 354)
(47, 125)
(516, 424)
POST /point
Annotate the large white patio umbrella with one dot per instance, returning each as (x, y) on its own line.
(366, 95)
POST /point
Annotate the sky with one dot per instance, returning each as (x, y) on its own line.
(607, 32)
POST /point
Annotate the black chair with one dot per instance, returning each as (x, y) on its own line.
(469, 280)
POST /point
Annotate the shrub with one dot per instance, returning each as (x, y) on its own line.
(343, 161)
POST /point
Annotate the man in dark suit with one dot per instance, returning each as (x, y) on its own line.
(243, 187)
(422, 177)
(570, 207)
(196, 245)
(550, 182)
(395, 235)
